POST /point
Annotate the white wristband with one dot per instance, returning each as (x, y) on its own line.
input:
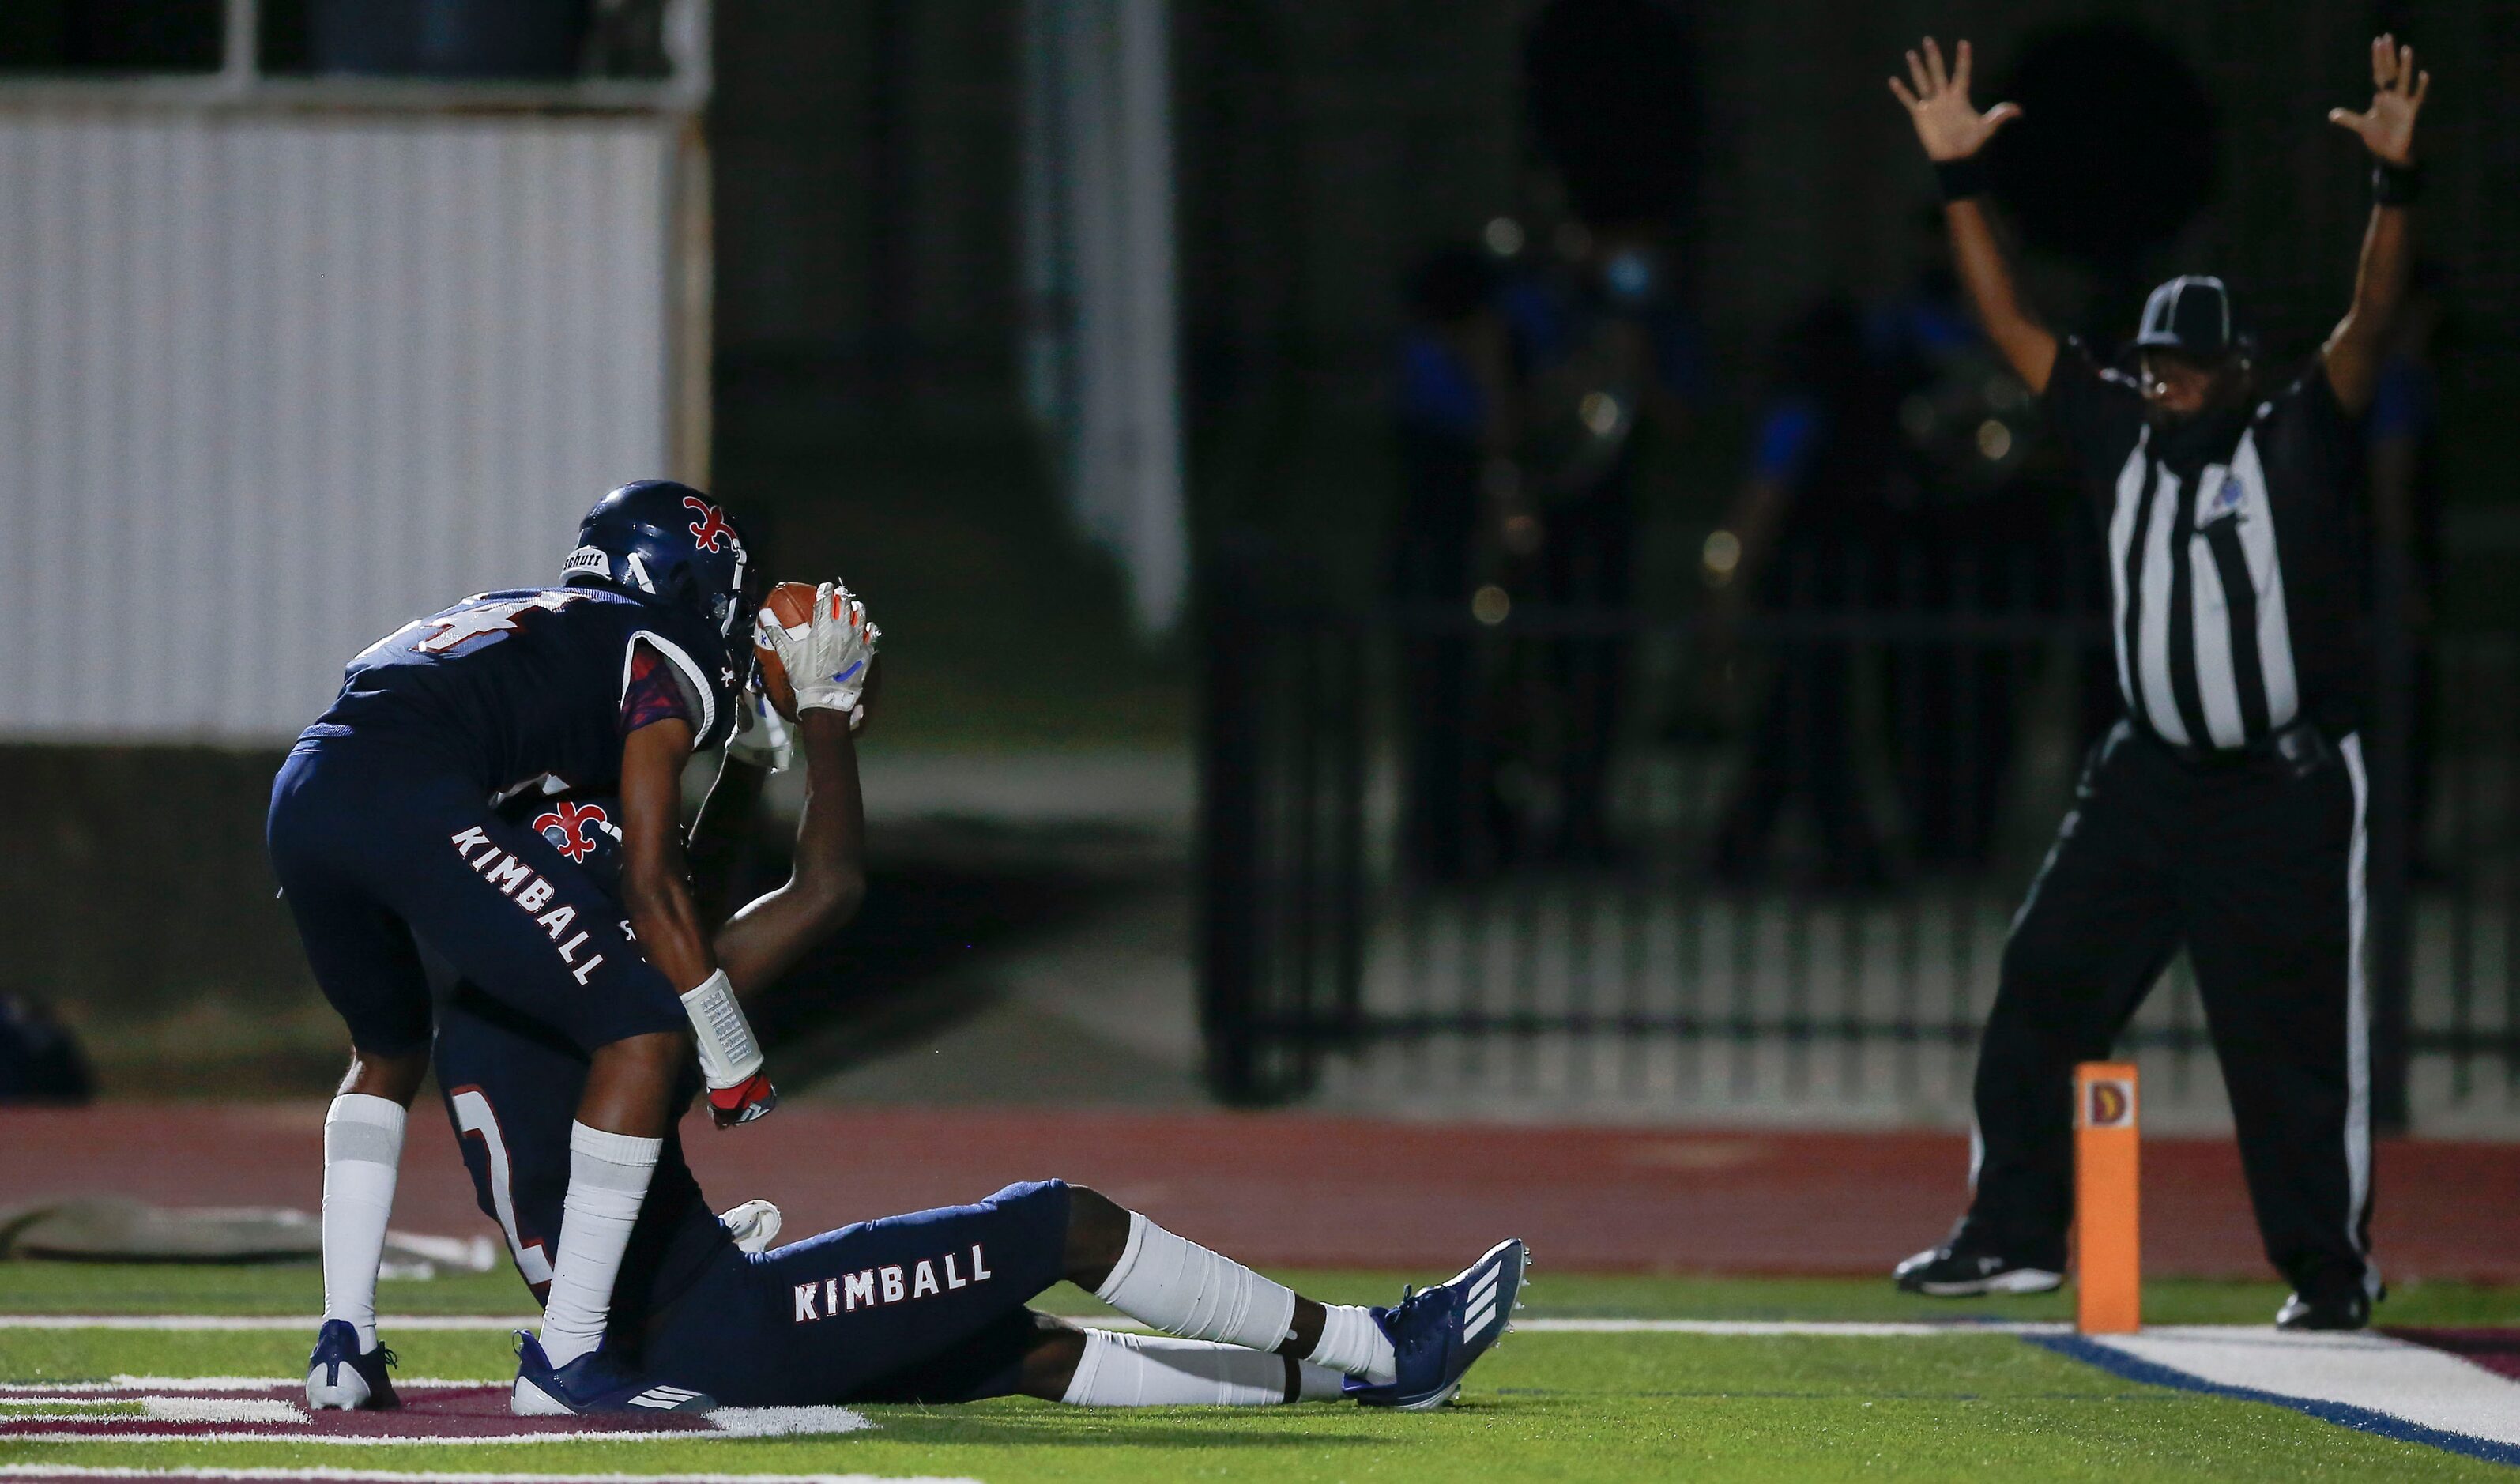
(729, 1054)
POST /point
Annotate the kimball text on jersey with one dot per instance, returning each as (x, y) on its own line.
(517, 880)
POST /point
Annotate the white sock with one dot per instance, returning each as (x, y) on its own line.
(607, 1178)
(1158, 1371)
(1320, 1383)
(362, 1150)
(1183, 1288)
(1352, 1344)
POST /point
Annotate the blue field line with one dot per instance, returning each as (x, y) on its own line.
(2344, 1415)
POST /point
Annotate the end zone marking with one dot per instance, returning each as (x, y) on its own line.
(2368, 1382)
(134, 1410)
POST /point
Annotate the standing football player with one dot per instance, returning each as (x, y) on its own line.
(930, 1306)
(386, 840)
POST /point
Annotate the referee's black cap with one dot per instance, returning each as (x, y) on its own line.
(2190, 314)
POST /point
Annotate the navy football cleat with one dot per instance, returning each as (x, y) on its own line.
(338, 1379)
(590, 1383)
(1436, 1333)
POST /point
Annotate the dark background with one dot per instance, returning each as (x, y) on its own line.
(868, 317)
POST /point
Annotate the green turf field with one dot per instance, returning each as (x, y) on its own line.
(1545, 1406)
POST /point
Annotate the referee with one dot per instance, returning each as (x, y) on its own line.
(2226, 811)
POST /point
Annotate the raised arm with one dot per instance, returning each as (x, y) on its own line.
(832, 669)
(2355, 350)
(821, 893)
(1953, 132)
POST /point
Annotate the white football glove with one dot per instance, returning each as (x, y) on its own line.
(827, 664)
(760, 736)
(754, 1225)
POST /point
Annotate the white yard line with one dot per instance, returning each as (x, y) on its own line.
(444, 1478)
(414, 1440)
(1824, 1328)
(13, 1389)
(215, 1401)
(1762, 1328)
(257, 1321)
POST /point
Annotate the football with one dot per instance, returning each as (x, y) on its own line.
(789, 606)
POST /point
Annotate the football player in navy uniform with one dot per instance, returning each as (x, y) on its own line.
(931, 1306)
(384, 835)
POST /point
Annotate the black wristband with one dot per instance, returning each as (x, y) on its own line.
(2397, 185)
(1963, 177)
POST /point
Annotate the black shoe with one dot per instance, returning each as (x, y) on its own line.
(1957, 1272)
(2348, 1310)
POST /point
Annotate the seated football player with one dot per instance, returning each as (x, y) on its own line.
(930, 1306)
(384, 837)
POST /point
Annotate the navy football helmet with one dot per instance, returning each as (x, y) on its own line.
(658, 539)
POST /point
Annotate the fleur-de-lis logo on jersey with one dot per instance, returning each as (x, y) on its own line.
(711, 528)
(570, 825)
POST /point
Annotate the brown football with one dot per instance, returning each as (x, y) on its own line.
(791, 605)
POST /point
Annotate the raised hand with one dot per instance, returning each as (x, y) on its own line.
(828, 660)
(2388, 126)
(1939, 105)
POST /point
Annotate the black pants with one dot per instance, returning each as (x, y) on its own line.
(2259, 873)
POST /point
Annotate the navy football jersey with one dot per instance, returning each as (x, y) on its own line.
(531, 682)
(511, 1086)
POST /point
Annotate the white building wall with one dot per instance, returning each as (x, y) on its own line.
(272, 384)
(1102, 351)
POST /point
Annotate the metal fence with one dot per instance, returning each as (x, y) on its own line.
(1797, 903)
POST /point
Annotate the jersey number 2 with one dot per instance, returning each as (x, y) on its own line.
(472, 1116)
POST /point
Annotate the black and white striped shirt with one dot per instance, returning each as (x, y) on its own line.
(2232, 556)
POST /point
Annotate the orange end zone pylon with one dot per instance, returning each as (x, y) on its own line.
(2108, 1267)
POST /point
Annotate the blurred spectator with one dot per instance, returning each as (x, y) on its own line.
(41, 1060)
(1799, 544)
(1603, 349)
(1610, 90)
(2405, 432)
(1455, 410)
(1971, 535)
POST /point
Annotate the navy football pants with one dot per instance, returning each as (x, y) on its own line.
(927, 1307)
(376, 846)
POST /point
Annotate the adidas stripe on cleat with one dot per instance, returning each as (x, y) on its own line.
(590, 1383)
(1438, 1334)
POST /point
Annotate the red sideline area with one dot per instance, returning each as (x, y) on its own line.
(1298, 1190)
